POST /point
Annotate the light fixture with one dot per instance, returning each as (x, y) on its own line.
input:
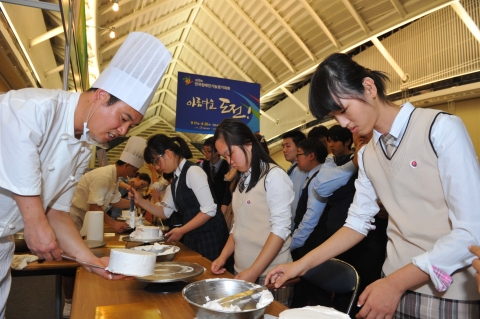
(115, 5)
(112, 30)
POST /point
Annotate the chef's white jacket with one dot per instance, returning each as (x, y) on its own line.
(39, 154)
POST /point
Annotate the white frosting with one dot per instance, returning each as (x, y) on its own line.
(315, 312)
(132, 262)
(146, 232)
(266, 298)
(155, 248)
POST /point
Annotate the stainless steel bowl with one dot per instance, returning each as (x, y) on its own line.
(20, 243)
(195, 294)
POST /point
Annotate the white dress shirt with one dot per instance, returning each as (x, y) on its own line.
(197, 181)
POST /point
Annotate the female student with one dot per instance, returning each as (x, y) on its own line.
(204, 229)
(262, 193)
(422, 165)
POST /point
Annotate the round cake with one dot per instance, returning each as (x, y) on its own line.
(315, 312)
(132, 262)
(146, 232)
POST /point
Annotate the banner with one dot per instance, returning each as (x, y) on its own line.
(204, 101)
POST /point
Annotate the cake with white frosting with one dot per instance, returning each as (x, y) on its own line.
(146, 232)
(315, 312)
(132, 262)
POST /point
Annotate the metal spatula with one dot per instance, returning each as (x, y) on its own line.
(238, 297)
(81, 261)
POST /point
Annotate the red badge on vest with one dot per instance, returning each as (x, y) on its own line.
(248, 202)
(413, 164)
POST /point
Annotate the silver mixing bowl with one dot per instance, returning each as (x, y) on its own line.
(196, 292)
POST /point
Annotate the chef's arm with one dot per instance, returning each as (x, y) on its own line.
(72, 243)
(39, 234)
(123, 203)
(117, 226)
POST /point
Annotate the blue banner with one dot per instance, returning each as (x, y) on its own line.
(204, 101)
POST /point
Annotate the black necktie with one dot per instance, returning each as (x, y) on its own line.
(290, 170)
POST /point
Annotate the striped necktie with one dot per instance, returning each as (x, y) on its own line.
(241, 184)
(389, 141)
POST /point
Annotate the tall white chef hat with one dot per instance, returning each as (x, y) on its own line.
(135, 71)
(133, 151)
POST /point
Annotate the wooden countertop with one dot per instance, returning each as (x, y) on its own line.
(92, 291)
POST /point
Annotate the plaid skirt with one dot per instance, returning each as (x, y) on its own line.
(414, 305)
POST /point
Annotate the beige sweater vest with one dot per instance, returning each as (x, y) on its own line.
(252, 227)
(409, 187)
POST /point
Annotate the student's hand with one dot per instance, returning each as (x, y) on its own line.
(379, 300)
(476, 263)
(247, 275)
(119, 227)
(217, 266)
(283, 272)
(174, 235)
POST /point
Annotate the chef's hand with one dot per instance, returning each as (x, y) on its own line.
(102, 272)
(41, 240)
(476, 263)
(283, 272)
(174, 235)
(379, 300)
(217, 266)
(119, 227)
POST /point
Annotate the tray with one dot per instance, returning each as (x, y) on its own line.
(170, 271)
(143, 240)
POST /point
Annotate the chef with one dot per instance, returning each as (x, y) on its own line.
(99, 188)
(45, 146)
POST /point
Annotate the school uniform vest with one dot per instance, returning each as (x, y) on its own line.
(216, 181)
(252, 227)
(208, 239)
(410, 188)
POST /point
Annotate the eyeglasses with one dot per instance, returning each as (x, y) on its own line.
(155, 161)
(299, 154)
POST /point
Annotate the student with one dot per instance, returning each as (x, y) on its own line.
(204, 229)
(320, 132)
(261, 202)
(476, 263)
(429, 191)
(289, 148)
(45, 138)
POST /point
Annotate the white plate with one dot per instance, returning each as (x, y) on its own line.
(122, 218)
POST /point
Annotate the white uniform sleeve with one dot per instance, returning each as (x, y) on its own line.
(279, 197)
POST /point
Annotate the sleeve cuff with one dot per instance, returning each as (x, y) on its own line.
(441, 280)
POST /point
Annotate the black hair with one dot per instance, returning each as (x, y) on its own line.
(263, 142)
(210, 142)
(112, 100)
(338, 76)
(342, 134)
(159, 143)
(234, 132)
(120, 163)
(296, 136)
(144, 177)
(313, 144)
(318, 132)
(167, 176)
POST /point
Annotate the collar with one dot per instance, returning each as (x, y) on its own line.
(314, 170)
(217, 164)
(178, 171)
(398, 124)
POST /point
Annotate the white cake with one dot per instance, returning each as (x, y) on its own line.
(146, 232)
(315, 312)
(132, 262)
